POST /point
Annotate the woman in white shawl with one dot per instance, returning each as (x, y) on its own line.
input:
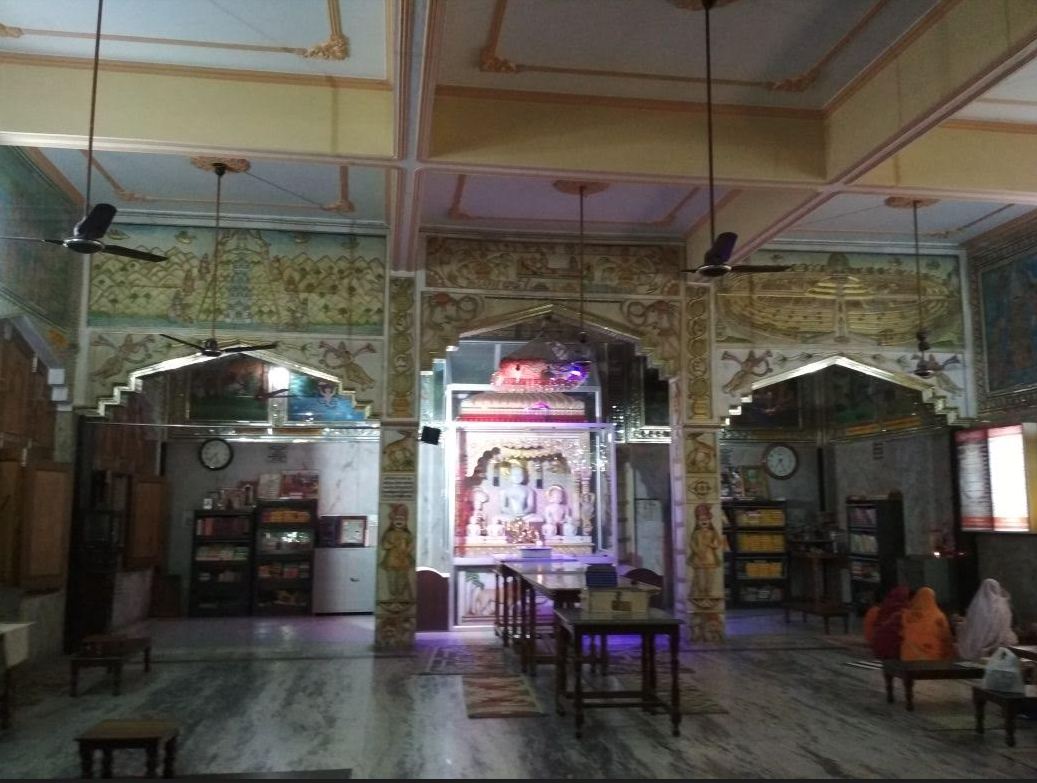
(988, 622)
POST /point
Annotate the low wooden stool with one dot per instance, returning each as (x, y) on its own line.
(909, 671)
(110, 735)
(1010, 704)
(111, 652)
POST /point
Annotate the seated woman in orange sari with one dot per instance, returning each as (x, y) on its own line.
(927, 634)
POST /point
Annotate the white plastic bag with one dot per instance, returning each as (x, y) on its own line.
(1003, 672)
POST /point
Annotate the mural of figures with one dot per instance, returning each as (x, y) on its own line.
(707, 555)
(337, 357)
(750, 368)
(397, 555)
(125, 356)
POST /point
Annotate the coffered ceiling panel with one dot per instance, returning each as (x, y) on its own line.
(171, 188)
(1013, 100)
(534, 204)
(792, 53)
(857, 217)
(344, 38)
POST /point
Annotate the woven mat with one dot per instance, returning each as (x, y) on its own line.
(471, 659)
(505, 696)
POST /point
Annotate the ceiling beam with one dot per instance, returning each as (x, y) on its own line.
(49, 97)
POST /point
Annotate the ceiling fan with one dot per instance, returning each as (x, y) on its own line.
(210, 346)
(88, 234)
(721, 246)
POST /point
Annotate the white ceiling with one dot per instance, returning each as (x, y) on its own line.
(170, 187)
(650, 48)
(857, 217)
(235, 34)
(534, 204)
(1012, 100)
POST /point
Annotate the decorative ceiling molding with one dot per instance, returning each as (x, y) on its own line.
(703, 220)
(908, 202)
(337, 45)
(335, 48)
(123, 193)
(491, 60)
(42, 162)
(570, 187)
(231, 165)
(991, 126)
(696, 5)
(343, 205)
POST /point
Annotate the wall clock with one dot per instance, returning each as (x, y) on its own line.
(215, 453)
(780, 460)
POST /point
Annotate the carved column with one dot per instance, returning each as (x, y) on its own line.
(396, 597)
(695, 475)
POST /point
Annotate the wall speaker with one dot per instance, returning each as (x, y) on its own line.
(430, 435)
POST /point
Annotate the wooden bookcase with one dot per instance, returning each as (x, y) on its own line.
(221, 564)
(286, 532)
(756, 560)
(875, 528)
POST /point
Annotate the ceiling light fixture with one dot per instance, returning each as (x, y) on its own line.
(715, 263)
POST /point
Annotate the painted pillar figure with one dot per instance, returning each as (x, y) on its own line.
(698, 532)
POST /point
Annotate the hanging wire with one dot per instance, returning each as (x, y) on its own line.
(220, 170)
(93, 110)
(583, 333)
(918, 273)
(709, 125)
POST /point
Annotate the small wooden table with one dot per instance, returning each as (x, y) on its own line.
(574, 624)
(562, 586)
(1010, 704)
(506, 589)
(111, 652)
(909, 671)
(110, 735)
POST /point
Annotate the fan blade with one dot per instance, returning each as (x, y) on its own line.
(129, 252)
(182, 342)
(723, 247)
(240, 348)
(746, 269)
(94, 225)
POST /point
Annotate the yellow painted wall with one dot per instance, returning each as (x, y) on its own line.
(199, 112)
(534, 134)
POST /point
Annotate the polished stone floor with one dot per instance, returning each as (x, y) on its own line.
(308, 694)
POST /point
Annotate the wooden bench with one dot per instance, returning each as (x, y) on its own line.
(110, 652)
(909, 671)
(110, 735)
(1010, 704)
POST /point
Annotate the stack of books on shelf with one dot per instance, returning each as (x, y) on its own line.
(291, 570)
(221, 553)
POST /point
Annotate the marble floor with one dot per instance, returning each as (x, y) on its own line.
(308, 694)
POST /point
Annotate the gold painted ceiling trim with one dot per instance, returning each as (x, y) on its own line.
(123, 193)
(1009, 231)
(651, 104)
(457, 212)
(490, 59)
(55, 175)
(343, 205)
(231, 74)
(337, 45)
(703, 220)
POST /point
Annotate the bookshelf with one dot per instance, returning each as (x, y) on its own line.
(221, 564)
(875, 529)
(756, 560)
(285, 537)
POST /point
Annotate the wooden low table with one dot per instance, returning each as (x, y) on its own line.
(575, 624)
(1010, 703)
(110, 652)
(110, 735)
(909, 671)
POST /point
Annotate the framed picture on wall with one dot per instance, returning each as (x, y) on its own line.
(754, 480)
(303, 484)
(228, 390)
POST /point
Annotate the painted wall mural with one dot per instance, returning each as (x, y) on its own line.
(1009, 323)
(40, 280)
(112, 356)
(268, 280)
(641, 270)
(842, 298)
(396, 591)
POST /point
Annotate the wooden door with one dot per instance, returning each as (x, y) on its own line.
(46, 515)
(146, 526)
(10, 507)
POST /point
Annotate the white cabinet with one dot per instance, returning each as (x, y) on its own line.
(344, 579)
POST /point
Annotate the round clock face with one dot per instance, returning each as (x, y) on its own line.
(215, 454)
(780, 461)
